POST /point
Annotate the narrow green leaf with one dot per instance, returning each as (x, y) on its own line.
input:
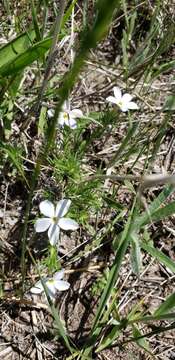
(162, 213)
(170, 103)
(159, 255)
(167, 305)
(42, 120)
(35, 22)
(141, 342)
(68, 13)
(110, 338)
(145, 217)
(153, 318)
(136, 257)
(163, 68)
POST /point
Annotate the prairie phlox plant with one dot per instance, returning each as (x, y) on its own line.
(122, 101)
(54, 219)
(52, 284)
(67, 117)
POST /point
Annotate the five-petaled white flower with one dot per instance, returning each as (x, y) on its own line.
(123, 101)
(52, 284)
(54, 219)
(67, 117)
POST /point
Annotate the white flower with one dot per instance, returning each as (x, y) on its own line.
(54, 219)
(53, 284)
(67, 117)
(123, 101)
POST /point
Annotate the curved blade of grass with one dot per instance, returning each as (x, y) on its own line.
(163, 68)
(158, 330)
(110, 338)
(17, 46)
(141, 342)
(68, 13)
(168, 304)
(153, 318)
(145, 217)
(161, 214)
(26, 58)
(159, 255)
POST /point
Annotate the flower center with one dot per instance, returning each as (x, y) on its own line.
(65, 116)
(51, 282)
(55, 220)
(120, 103)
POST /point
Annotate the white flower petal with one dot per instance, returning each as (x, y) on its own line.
(123, 107)
(126, 98)
(117, 93)
(68, 224)
(42, 224)
(37, 289)
(76, 113)
(47, 208)
(62, 285)
(61, 119)
(50, 285)
(71, 123)
(112, 99)
(59, 275)
(132, 105)
(53, 234)
(66, 106)
(62, 207)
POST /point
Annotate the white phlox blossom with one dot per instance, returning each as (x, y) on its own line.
(52, 284)
(122, 101)
(54, 219)
(67, 117)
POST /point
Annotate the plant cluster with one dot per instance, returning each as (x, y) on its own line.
(90, 151)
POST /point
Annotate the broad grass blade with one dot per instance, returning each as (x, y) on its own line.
(35, 52)
(10, 51)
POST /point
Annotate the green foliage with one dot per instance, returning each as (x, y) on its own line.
(26, 58)
(10, 51)
(14, 157)
(70, 156)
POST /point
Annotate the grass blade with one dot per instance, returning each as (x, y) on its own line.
(168, 304)
(159, 255)
(145, 217)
